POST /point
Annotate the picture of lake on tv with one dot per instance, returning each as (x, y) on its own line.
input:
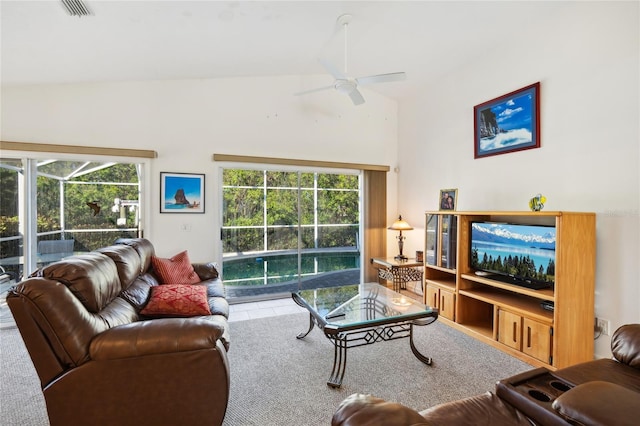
(497, 239)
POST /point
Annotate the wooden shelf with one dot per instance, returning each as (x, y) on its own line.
(544, 294)
(441, 269)
(514, 302)
(482, 328)
(523, 214)
(486, 308)
(445, 284)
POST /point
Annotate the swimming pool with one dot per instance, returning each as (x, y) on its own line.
(268, 269)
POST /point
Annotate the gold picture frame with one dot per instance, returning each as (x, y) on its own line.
(448, 199)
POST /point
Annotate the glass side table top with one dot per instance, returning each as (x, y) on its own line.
(361, 304)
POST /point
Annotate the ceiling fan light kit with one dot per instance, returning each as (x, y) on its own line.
(349, 86)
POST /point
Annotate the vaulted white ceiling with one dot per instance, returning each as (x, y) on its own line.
(151, 40)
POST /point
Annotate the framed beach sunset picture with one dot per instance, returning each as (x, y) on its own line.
(508, 123)
(181, 193)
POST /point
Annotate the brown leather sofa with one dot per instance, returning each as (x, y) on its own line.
(603, 392)
(100, 362)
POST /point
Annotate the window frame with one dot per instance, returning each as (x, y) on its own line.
(32, 153)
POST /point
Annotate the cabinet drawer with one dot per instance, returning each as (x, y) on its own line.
(510, 329)
(433, 296)
(536, 339)
(447, 304)
(443, 300)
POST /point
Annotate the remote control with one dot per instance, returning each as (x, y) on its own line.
(549, 306)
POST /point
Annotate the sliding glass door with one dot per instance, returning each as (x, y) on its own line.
(53, 208)
(284, 230)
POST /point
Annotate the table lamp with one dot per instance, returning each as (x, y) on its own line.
(400, 225)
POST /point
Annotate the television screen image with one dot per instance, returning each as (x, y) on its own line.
(513, 253)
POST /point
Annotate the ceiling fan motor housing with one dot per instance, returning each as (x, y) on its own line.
(349, 86)
(345, 86)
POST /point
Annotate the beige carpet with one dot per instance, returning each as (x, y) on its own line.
(277, 379)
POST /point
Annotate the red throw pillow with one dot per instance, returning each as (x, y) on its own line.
(177, 300)
(175, 270)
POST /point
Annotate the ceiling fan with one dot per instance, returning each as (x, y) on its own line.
(349, 86)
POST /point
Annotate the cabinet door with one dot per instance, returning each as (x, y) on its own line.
(431, 241)
(447, 304)
(433, 296)
(510, 329)
(536, 339)
(448, 238)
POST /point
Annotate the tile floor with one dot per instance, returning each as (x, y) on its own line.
(262, 309)
(275, 307)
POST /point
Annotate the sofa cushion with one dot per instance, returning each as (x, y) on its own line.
(481, 410)
(181, 300)
(360, 409)
(607, 370)
(92, 278)
(625, 345)
(127, 262)
(138, 293)
(599, 403)
(175, 270)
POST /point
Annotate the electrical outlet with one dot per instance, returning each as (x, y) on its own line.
(603, 325)
(185, 227)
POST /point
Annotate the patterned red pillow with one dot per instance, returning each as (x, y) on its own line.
(175, 270)
(177, 300)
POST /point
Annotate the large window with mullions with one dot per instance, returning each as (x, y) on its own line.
(284, 230)
(52, 208)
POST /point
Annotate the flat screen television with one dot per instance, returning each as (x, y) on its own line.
(523, 255)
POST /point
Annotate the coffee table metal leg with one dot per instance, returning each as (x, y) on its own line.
(339, 361)
(425, 359)
(311, 324)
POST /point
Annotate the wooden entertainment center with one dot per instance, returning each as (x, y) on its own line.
(510, 317)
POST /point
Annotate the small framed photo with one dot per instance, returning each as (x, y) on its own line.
(448, 198)
(507, 123)
(181, 193)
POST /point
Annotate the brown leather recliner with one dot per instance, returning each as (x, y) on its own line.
(603, 392)
(101, 363)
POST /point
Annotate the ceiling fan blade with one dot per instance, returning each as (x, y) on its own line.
(314, 90)
(332, 70)
(356, 97)
(381, 78)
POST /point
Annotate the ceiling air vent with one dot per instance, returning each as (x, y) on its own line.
(76, 8)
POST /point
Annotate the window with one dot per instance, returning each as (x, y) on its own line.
(284, 230)
(52, 208)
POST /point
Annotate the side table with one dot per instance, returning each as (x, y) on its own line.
(399, 272)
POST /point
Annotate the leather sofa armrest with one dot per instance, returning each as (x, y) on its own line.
(156, 336)
(367, 410)
(599, 403)
(206, 271)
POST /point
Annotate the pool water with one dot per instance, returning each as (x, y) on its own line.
(275, 269)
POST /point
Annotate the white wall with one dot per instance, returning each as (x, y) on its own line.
(186, 122)
(587, 61)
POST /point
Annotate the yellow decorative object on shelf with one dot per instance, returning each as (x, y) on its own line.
(537, 202)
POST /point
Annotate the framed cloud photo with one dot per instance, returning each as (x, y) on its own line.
(181, 193)
(508, 123)
(448, 199)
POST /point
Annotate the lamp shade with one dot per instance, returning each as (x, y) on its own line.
(401, 225)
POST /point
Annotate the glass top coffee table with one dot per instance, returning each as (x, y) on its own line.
(362, 314)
